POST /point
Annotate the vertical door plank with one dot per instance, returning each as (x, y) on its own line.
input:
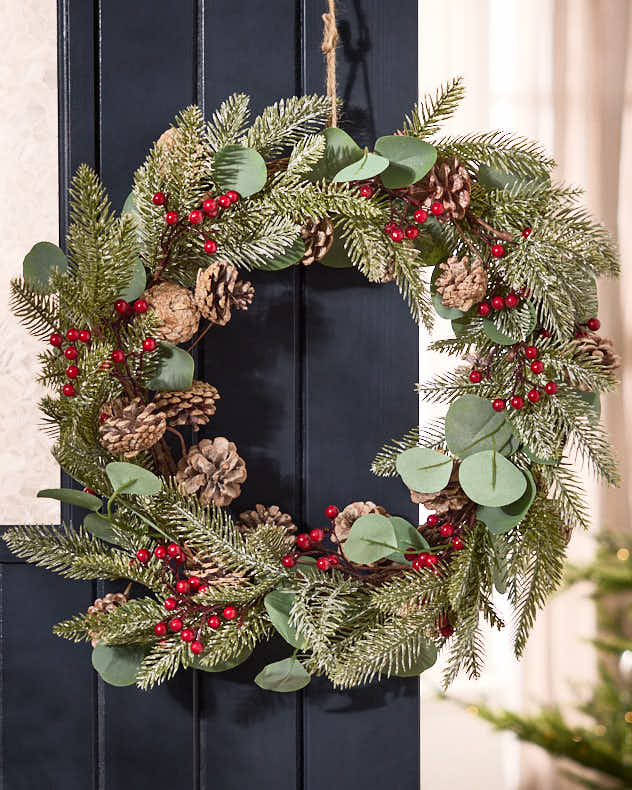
(360, 368)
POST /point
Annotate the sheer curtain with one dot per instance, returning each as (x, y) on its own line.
(555, 70)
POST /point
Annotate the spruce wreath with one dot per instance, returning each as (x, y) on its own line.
(471, 228)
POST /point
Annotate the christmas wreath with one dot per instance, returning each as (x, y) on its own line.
(470, 228)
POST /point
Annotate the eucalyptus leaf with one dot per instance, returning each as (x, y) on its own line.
(496, 335)
(72, 497)
(410, 159)
(496, 179)
(118, 665)
(132, 479)
(137, 284)
(372, 538)
(223, 666)
(340, 151)
(593, 401)
(500, 569)
(175, 371)
(240, 168)
(527, 319)
(407, 535)
(426, 658)
(278, 604)
(369, 166)
(290, 256)
(432, 251)
(538, 460)
(488, 478)
(130, 207)
(286, 675)
(501, 519)
(41, 261)
(442, 311)
(423, 469)
(100, 527)
(471, 425)
(336, 257)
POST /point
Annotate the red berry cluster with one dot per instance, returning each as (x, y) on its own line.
(499, 302)
(187, 616)
(401, 230)
(313, 542)
(71, 353)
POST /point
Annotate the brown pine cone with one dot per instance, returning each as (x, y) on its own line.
(217, 290)
(210, 572)
(109, 603)
(131, 427)
(250, 520)
(212, 470)
(452, 497)
(346, 518)
(191, 407)
(165, 144)
(449, 183)
(176, 310)
(601, 349)
(318, 236)
(461, 284)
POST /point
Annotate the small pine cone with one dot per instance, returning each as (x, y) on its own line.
(346, 518)
(601, 349)
(109, 603)
(212, 470)
(452, 497)
(213, 573)
(461, 284)
(318, 236)
(449, 183)
(217, 290)
(176, 310)
(165, 144)
(191, 407)
(131, 427)
(249, 520)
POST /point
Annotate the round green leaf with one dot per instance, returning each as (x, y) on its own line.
(287, 258)
(471, 425)
(130, 207)
(496, 336)
(118, 665)
(496, 179)
(223, 666)
(488, 478)
(537, 460)
(445, 312)
(432, 251)
(527, 319)
(340, 150)
(501, 519)
(137, 283)
(278, 604)
(407, 537)
(426, 658)
(175, 371)
(423, 469)
(336, 257)
(372, 537)
(132, 479)
(593, 401)
(72, 497)
(100, 527)
(410, 159)
(286, 675)
(369, 166)
(41, 261)
(240, 168)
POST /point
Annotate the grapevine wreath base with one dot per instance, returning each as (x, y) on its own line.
(471, 228)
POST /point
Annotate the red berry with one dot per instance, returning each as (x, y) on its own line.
(72, 334)
(432, 520)
(484, 309)
(593, 324)
(210, 207)
(105, 365)
(526, 233)
(72, 371)
(160, 552)
(103, 417)
(159, 199)
(545, 333)
(183, 587)
(196, 217)
(333, 560)
(160, 629)
(366, 191)
(412, 232)
(420, 216)
(550, 388)
(71, 352)
(389, 227)
(230, 612)
(203, 588)
(476, 377)
(180, 558)
(531, 352)
(232, 195)
(446, 629)
(210, 246)
(173, 550)
(498, 404)
(187, 635)
(331, 512)
(214, 622)
(498, 250)
(224, 201)
(56, 339)
(418, 563)
(143, 556)
(303, 541)
(533, 395)
(423, 558)
(498, 303)
(397, 234)
(197, 647)
(437, 208)
(411, 554)
(68, 390)
(85, 336)
(175, 624)
(431, 560)
(511, 300)
(87, 490)
(517, 402)
(457, 543)
(194, 582)
(149, 344)
(316, 535)
(446, 530)
(140, 306)
(537, 366)
(288, 561)
(170, 604)
(322, 563)
(117, 356)
(121, 306)
(171, 217)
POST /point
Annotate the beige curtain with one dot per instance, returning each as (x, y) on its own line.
(556, 70)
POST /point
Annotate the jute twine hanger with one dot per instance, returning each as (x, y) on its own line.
(328, 47)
